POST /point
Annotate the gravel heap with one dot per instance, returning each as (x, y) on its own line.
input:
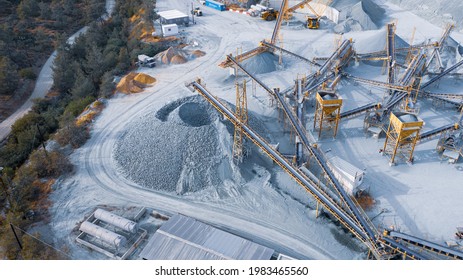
(184, 147)
(363, 15)
(261, 64)
(172, 150)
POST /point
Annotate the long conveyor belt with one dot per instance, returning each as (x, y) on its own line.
(358, 110)
(297, 175)
(391, 243)
(436, 78)
(273, 46)
(298, 127)
(304, 181)
(426, 245)
(433, 132)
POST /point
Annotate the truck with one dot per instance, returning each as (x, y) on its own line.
(256, 10)
(197, 12)
(215, 5)
(269, 14)
(146, 61)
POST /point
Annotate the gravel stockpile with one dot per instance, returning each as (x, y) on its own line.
(174, 149)
(363, 15)
(261, 64)
(183, 147)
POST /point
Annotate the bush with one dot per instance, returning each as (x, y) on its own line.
(72, 135)
(76, 107)
(27, 73)
(50, 164)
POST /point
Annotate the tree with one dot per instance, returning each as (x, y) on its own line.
(45, 12)
(94, 65)
(93, 9)
(27, 9)
(73, 135)
(63, 70)
(83, 86)
(50, 164)
(107, 85)
(9, 77)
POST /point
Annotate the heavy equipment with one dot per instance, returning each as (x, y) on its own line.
(269, 14)
(313, 21)
(197, 12)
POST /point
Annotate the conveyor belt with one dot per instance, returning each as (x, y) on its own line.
(427, 245)
(279, 20)
(297, 125)
(437, 97)
(409, 253)
(356, 111)
(244, 56)
(376, 83)
(272, 46)
(436, 131)
(391, 52)
(383, 54)
(434, 79)
(340, 215)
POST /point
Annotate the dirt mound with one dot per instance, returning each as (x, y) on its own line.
(172, 55)
(144, 79)
(134, 83)
(177, 55)
(197, 53)
(178, 59)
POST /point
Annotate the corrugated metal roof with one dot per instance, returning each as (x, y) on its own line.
(345, 167)
(172, 14)
(184, 238)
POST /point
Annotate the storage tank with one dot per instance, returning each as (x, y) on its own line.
(103, 234)
(116, 220)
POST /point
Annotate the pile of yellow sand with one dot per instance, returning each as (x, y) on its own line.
(134, 82)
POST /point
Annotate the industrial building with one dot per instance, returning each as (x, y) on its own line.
(350, 176)
(184, 238)
(173, 17)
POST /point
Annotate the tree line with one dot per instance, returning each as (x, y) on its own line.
(82, 73)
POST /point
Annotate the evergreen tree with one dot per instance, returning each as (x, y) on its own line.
(27, 9)
(9, 77)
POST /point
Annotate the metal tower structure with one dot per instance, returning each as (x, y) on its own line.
(402, 134)
(327, 111)
(239, 150)
(390, 52)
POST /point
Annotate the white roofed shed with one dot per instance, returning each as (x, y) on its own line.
(350, 176)
(173, 16)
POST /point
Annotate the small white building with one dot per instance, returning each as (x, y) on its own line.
(348, 175)
(169, 30)
(173, 16)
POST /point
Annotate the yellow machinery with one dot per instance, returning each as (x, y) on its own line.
(313, 21)
(327, 111)
(289, 11)
(402, 134)
(269, 14)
